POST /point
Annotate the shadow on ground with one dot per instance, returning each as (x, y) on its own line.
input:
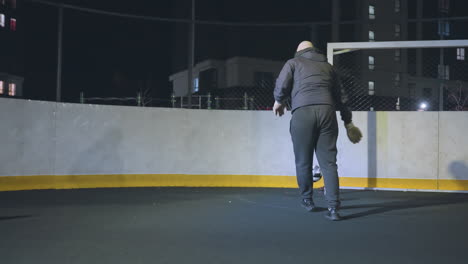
(417, 202)
(4, 218)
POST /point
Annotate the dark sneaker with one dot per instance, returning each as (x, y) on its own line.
(333, 215)
(308, 204)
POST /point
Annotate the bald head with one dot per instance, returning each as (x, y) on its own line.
(304, 45)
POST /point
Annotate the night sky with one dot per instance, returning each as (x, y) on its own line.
(116, 57)
(108, 56)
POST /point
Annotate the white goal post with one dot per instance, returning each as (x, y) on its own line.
(335, 48)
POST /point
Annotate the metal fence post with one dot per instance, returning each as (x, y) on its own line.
(217, 102)
(138, 99)
(82, 98)
(173, 100)
(209, 101)
(246, 107)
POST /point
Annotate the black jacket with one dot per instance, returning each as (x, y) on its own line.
(308, 79)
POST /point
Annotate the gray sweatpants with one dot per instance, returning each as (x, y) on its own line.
(312, 128)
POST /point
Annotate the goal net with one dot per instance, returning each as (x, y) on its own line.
(403, 75)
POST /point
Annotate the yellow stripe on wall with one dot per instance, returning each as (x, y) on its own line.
(389, 183)
(453, 185)
(11, 183)
(15, 183)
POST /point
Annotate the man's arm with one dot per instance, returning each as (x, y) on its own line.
(341, 99)
(284, 83)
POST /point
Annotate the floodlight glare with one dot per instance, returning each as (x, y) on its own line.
(423, 106)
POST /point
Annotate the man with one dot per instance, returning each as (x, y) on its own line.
(315, 92)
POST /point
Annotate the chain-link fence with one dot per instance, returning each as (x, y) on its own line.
(374, 80)
(141, 99)
(429, 79)
(141, 57)
(404, 79)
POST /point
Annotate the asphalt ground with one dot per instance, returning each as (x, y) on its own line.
(229, 225)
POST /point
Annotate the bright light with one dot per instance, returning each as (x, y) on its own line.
(423, 106)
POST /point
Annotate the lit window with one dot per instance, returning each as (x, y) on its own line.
(397, 30)
(196, 87)
(460, 53)
(371, 62)
(1, 87)
(2, 20)
(397, 6)
(371, 12)
(11, 89)
(444, 28)
(371, 87)
(371, 35)
(397, 55)
(13, 24)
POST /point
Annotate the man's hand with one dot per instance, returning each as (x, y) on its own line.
(354, 134)
(278, 109)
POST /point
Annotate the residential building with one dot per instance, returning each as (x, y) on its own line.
(390, 73)
(11, 52)
(423, 73)
(235, 72)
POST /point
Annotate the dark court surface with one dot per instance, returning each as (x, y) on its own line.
(229, 225)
